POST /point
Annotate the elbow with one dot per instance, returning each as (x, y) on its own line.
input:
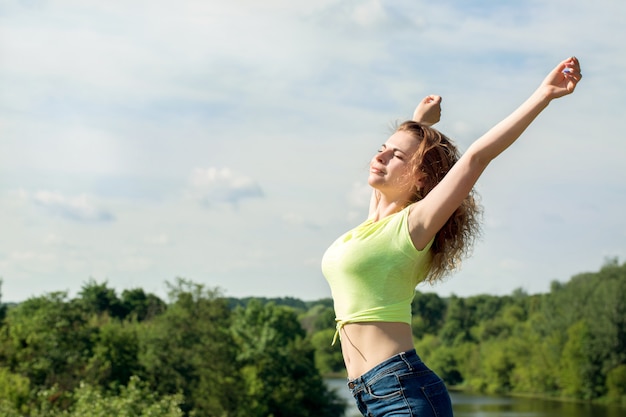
(478, 160)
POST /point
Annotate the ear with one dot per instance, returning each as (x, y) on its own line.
(419, 180)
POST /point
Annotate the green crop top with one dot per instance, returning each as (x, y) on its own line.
(373, 270)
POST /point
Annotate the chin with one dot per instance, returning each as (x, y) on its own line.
(373, 181)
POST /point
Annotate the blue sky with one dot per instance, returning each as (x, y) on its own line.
(228, 142)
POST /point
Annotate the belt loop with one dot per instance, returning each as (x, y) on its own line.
(408, 364)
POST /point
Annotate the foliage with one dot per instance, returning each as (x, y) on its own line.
(189, 349)
(428, 311)
(616, 384)
(47, 340)
(278, 365)
(14, 390)
(568, 343)
(134, 400)
(328, 357)
(200, 354)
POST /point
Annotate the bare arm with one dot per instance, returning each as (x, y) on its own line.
(431, 213)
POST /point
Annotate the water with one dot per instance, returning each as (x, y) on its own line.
(470, 405)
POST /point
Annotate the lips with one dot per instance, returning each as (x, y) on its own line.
(376, 170)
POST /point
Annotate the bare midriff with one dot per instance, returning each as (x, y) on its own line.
(365, 345)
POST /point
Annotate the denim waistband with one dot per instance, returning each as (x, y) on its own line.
(403, 360)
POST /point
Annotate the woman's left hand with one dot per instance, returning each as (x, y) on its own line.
(562, 80)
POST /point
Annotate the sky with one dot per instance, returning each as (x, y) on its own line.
(228, 143)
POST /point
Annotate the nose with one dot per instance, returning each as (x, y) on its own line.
(383, 156)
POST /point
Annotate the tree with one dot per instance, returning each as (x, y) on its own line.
(616, 384)
(458, 322)
(328, 358)
(277, 364)
(47, 340)
(189, 349)
(14, 391)
(318, 317)
(136, 400)
(142, 306)
(3, 307)
(428, 311)
(576, 367)
(98, 299)
(115, 354)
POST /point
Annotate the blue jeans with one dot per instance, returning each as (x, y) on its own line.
(401, 386)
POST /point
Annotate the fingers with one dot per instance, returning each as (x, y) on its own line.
(563, 78)
(570, 68)
(428, 111)
(432, 99)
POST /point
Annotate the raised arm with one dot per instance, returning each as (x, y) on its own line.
(431, 213)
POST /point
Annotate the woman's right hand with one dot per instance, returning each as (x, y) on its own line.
(428, 111)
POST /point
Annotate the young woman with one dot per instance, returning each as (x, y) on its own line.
(421, 222)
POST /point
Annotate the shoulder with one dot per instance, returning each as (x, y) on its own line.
(416, 226)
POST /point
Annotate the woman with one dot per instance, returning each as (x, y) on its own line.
(422, 220)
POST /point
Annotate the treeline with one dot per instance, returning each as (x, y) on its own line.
(568, 343)
(202, 354)
(198, 354)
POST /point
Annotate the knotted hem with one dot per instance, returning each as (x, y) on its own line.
(397, 312)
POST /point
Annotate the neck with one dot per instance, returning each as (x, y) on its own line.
(384, 206)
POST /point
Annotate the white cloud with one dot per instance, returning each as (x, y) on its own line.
(211, 186)
(79, 208)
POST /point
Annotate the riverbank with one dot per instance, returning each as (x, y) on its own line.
(341, 379)
(468, 404)
(603, 401)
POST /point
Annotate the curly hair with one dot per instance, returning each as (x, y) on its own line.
(434, 157)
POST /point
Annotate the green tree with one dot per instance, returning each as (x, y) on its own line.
(47, 339)
(3, 307)
(575, 364)
(142, 306)
(444, 362)
(278, 367)
(616, 384)
(189, 349)
(458, 322)
(428, 311)
(536, 357)
(498, 364)
(115, 354)
(98, 299)
(14, 391)
(136, 400)
(328, 358)
(318, 317)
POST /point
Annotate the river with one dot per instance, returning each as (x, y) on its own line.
(475, 405)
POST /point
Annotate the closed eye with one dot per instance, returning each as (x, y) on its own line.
(397, 153)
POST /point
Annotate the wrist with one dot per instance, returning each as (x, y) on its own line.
(542, 97)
